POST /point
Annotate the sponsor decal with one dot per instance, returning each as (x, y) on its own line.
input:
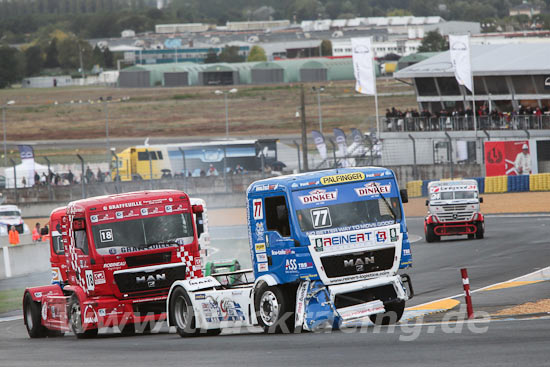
(267, 187)
(200, 296)
(318, 244)
(260, 247)
(381, 236)
(102, 312)
(119, 215)
(311, 183)
(346, 177)
(94, 218)
(124, 205)
(150, 247)
(290, 265)
(282, 252)
(318, 196)
(105, 217)
(260, 231)
(344, 239)
(106, 235)
(371, 189)
(90, 316)
(144, 211)
(112, 251)
(38, 294)
(261, 257)
(305, 266)
(198, 261)
(453, 188)
(99, 277)
(406, 251)
(168, 208)
(44, 311)
(56, 275)
(393, 235)
(262, 267)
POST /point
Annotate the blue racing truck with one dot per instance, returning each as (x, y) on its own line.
(326, 248)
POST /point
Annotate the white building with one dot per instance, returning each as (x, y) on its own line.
(257, 25)
(381, 49)
(181, 28)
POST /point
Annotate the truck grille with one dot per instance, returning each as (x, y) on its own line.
(358, 262)
(149, 283)
(455, 213)
(146, 260)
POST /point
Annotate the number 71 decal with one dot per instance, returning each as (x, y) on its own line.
(320, 217)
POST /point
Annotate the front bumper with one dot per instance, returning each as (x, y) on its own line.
(455, 228)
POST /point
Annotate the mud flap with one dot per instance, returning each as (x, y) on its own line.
(314, 309)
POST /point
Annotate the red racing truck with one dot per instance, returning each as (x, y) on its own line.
(113, 261)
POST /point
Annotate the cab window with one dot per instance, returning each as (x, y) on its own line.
(80, 238)
(276, 215)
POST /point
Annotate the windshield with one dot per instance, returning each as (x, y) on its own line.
(453, 195)
(10, 213)
(348, 214)
(143, 233)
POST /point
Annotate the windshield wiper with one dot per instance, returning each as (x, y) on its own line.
(386, 202)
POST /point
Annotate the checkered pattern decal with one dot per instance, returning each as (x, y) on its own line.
(192, 263)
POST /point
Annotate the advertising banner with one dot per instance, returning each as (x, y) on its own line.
(512, 157)
(363, 65)
(319, 140)
(460, 58)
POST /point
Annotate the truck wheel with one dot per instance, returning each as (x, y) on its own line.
(272, 310)
(430, 234)
(75, 320)
(471, 236)
(182, 314)
(480, 233)
(32, 317)
(394, 312)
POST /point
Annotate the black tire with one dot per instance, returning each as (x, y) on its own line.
(182, 314)
(430, 234)
(480, 233)
(75, 320)
(394, 312)
(274, 312)
(471, 236)
(128, 329)
(32, 312)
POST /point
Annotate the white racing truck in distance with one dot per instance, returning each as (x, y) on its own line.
(453, 209)
(326, 248)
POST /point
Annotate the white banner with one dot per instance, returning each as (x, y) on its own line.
(363, 65)
(460, 58)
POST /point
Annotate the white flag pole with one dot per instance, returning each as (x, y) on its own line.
(473, 86)
(375, 97)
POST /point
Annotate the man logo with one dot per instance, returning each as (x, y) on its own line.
(359, 263)
(361, 49)
(151, 280)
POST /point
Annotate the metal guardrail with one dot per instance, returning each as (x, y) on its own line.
(485, 122)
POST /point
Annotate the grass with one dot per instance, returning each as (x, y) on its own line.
(11, 300)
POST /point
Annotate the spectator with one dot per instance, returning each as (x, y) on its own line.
(57, 179)
(43, 179)
(99, 175)
(45, 230)
(13, 236)
(212, 171)
(36, 178)
(36, 233)
(70, 177)
(24, 181)
(89, 175)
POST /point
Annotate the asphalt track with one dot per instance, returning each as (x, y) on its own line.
(513, 246)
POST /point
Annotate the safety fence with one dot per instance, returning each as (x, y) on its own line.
(494, 184)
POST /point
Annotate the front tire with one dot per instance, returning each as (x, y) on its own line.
(480, 233)
(32, 316)
(182, 313)
(75, 320)
(273, 310)
(394, 312)
(430, 234)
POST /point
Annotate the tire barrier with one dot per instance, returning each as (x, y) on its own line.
(494, 184)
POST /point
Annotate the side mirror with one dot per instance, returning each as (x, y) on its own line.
(197, 209)
(427, 202)
(480, 200)
(404, 196)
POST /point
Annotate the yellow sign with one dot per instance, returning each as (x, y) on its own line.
(346, 177)
(260, 247)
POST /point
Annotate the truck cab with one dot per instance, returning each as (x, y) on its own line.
(453, 209)
(326, 247)
(118, 258)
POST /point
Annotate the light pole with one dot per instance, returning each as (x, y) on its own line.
(4, 106)
(320, 113)
(106, 108)
(225, 93)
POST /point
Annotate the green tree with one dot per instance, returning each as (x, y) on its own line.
(33, 60)
(12, 66)
(211, 57)
(326, 48)
(52, 58)
(108, 59)
(98, 57)
(399, 13)
(433, 41)
(231, 54)
(257, 53)
(69, 54)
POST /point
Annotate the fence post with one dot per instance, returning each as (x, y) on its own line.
(299, 159)
(333, 151)
(451, 153)
(14, 181)
(150, 168)
(225, 167)
(117, 177)
(82, 178)
(49, 181)
(415, 168)
(184, 170)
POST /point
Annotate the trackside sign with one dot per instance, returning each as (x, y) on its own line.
(347, 177)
